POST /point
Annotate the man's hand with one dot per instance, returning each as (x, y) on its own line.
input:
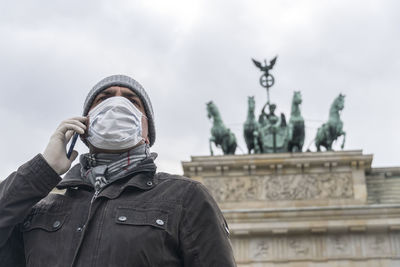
(56, 153)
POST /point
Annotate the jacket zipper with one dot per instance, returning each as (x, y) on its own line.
(95, 195)
(97, 191)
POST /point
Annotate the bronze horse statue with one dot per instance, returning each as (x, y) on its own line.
(331, 130)
(220, 135)
(251, 128)
(296, 131)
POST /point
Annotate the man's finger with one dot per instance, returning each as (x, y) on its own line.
(64, 127)
(79, 118)
(69, 135)
(76, 122)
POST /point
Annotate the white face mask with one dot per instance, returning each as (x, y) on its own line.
(115, 124)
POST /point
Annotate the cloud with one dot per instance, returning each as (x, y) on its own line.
(187, 54)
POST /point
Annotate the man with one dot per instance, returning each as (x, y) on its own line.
(116, 210)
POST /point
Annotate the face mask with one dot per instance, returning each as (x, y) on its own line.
(115, 124)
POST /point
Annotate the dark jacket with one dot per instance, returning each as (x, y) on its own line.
(146, 219)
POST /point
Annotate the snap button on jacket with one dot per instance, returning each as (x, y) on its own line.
(173, 222)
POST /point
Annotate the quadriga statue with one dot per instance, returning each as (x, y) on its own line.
(221, 136)
(331, 130)
(271, 133)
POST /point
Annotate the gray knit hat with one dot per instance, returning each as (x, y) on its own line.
(128, 82)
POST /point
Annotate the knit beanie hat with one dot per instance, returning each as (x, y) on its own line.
(128, 82)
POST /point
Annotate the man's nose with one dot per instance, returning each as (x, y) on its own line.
(118, 92)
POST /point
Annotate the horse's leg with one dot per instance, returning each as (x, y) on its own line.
(233, 149)
(301, 139)
(225, 144)
(232, 144)
(255, 143)
(294, 149)
(224, 148)
(301, 144)
(318, 139)
(344, 139)
(329, 145)
(257, 149)
(249, 146)
(210, 141)
(260, 140)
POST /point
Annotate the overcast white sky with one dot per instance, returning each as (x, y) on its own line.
(186, 53)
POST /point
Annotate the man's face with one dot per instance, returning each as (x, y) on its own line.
(131, 96)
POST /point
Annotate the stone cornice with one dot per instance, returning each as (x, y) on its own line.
(210, 165)
(356, 218)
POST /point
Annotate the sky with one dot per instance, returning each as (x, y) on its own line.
(186, 53)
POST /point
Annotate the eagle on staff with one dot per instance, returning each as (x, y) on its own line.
(266, 66)
(266, 79)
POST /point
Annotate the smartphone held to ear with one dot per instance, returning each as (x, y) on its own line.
(71, 147)
(74, 139)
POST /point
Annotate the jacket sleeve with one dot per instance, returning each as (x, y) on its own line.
(18, 194)
(204, 234)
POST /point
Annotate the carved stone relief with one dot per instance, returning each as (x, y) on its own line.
(233, 189)
(261, 249)
(338, 246)
(281, 187)
(395, 243)
(376, 244)
(298, 247)
(334, 246)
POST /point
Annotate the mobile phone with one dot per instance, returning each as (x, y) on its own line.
(71, 147)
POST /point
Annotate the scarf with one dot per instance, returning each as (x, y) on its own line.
(102, 169)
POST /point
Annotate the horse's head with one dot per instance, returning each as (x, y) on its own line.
(339, 102)
(212, 110)
(297, 98)
(252, 103)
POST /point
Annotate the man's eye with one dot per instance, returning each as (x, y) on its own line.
(103, 98)
(134, 101)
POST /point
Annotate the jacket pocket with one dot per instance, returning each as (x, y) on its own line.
(45, 237)
(152, 217)
(47, 222)
(138, 235)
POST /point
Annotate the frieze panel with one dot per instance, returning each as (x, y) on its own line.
(308, 186)
(376, 244)
(338, 246)
(299, 247)
(395, 243)
(261, 249)
(281, 187)
(331, 246)
(233, 189)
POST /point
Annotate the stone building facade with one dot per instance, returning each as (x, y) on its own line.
(314, 209)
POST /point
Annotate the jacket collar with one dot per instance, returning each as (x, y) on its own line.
(141, 179)
(73, 179)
